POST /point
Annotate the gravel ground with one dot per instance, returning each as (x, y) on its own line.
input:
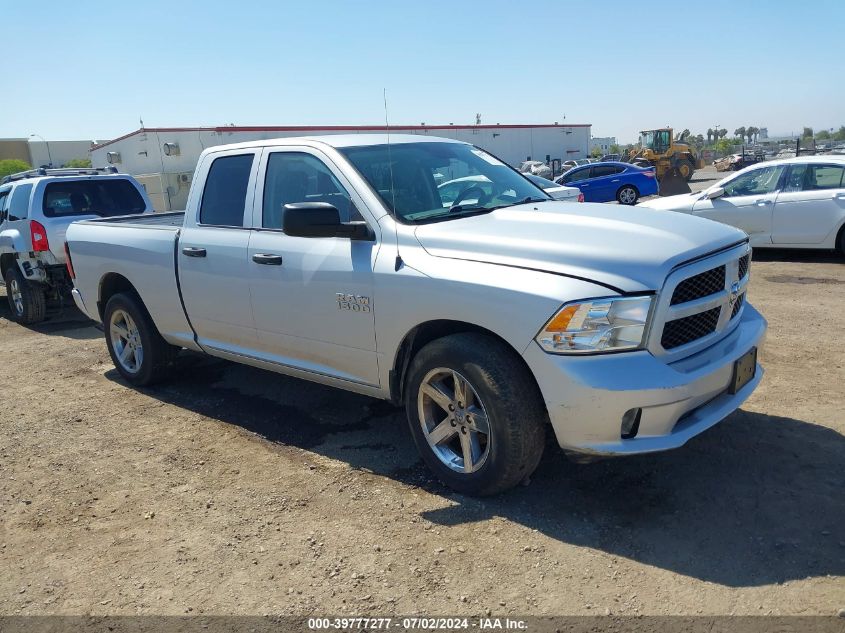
(233, 490)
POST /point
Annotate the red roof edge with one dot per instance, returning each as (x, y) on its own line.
(334, 128)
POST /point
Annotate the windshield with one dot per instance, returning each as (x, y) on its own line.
(541, 182)
(102, 197)
(424, 181)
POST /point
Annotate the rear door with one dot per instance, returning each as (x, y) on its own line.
(213, 266)
(747, 203)
(14, 211)
(580, 177)
(810, 205)
(605, 180)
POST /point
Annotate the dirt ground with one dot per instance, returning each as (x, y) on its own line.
(233, 490)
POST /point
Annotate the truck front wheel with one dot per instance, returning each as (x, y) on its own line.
(26, 299)
(475, 412)
(137, 349)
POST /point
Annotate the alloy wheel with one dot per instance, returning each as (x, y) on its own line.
(17, 296)
(454, 420)
(627, 196)
(126, 341)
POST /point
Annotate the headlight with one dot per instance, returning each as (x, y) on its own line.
(597, 325)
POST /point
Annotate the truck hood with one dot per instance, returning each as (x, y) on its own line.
(628, 249)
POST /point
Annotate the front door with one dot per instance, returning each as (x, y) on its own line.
(580, 177)
(810, 205)
(312, 298)
(747, 203)
(212, 253)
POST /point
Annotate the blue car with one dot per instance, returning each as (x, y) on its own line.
(604, 182)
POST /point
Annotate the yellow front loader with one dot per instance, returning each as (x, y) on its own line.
(667, 154)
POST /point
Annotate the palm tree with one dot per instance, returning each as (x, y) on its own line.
(722, 133)
(751, 133)
(709, 134)
(739, 132)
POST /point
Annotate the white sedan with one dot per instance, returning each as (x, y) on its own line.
(556, 191)
(450, 190)
(793, 203)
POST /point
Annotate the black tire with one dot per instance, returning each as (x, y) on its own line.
(32, 307)
(158, 355)
(511, 400)
(628, 193)
(841, 241)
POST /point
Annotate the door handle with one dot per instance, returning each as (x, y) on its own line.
(840, 196)
(268, 259)
(763, 203)
(615, 180)
(194, 251)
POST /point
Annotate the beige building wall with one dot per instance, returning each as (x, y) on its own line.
(15, 148)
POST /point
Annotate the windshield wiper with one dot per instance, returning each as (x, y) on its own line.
(531, 199)
(457, 208)
(460, 212)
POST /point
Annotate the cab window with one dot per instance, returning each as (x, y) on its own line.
(19, 204)
(576, 175)
(4, 200)
(755, 183)
(814, 177)
(224, 197)
(299, 177)
(605, 170)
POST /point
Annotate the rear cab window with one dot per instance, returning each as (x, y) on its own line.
(105, 197)
(224, 196)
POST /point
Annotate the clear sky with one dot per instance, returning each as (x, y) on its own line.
(91, 70)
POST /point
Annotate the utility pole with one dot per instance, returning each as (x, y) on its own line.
(49, 155)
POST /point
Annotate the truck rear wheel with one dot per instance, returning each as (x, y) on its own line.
(475, 412)
(137, 349)
(686, 169)
(26, 299)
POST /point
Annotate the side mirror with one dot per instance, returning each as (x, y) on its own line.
(321, 219)
(717, 192)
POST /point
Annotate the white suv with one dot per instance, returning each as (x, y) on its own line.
(36, 207)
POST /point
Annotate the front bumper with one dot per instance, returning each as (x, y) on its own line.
(586, 396)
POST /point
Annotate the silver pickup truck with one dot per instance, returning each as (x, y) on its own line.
(490, 312)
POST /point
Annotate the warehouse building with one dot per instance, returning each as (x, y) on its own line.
(43, 152)
(163, 159)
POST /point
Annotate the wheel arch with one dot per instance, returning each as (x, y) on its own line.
(7, 260)
(110, 285)
(422, 334)
(839, 244)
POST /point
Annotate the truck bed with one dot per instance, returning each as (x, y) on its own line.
(140, 250)
(163, 220)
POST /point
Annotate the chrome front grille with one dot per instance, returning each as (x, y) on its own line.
(738, 305)
(701, 285)
(700, 302)
(687, 329)
(743, 265)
